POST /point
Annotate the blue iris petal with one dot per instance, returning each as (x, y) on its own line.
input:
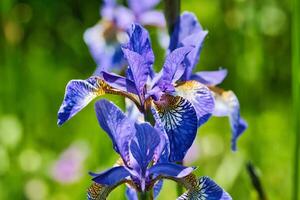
(179, 120)
(77, 95)
(207, 189)
(144, 144)
(111, 176)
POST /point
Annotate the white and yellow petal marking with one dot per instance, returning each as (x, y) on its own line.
(200, 96)
(80, 93)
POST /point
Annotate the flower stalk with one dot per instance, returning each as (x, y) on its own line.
(172, 12)
(147, 195)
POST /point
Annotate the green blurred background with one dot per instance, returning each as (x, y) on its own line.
(42, 48)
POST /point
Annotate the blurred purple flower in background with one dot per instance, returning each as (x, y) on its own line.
(105, 37)
(69, 166)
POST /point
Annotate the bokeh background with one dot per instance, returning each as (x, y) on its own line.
(42, 48)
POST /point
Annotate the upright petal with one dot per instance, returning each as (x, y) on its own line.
(227, 104)
(111, 176)
(200, 96)
(144, 144)
(172, 69)
(139, 42)
(138, 71)
(207, 189)
(170, 170)
(210, 78)
(188, 32)
(118, 127)
(77, 95)
(140, 6)
(179, 120)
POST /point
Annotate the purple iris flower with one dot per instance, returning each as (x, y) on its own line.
(105, 37)
(179, 107)
(140, 147)
(187, 32)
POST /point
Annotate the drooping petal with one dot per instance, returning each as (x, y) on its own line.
(139, 42)
(200, 97)
(111, 176)
(114, 122)
(179, 119)
(227, 104)
(188, 32)
(77, 95)
(140, 6)
(210, 78)
(144, 144)
(138, 70)
(153, 18)
(207, 189)
(170, 170)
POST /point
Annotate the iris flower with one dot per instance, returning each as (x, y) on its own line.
(140, 146)
(178, 107)
(187, 32)
(105, 37)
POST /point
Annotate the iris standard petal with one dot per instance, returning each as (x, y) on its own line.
(188, 32)
(179, 119)
(207, 189)
(200, 97)
(170, 170)
(210, 78)
(195, 40)
(114, 122)
(139, 42)
(153, 18)
(77, 95)
(144, 144)
(184, 27)
(227, 104)
(172, 68)
(138, 71)
(111, 176)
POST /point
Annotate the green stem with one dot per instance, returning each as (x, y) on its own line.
(179, 187)
(296, 94)
(145, 195)
(172, 12)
